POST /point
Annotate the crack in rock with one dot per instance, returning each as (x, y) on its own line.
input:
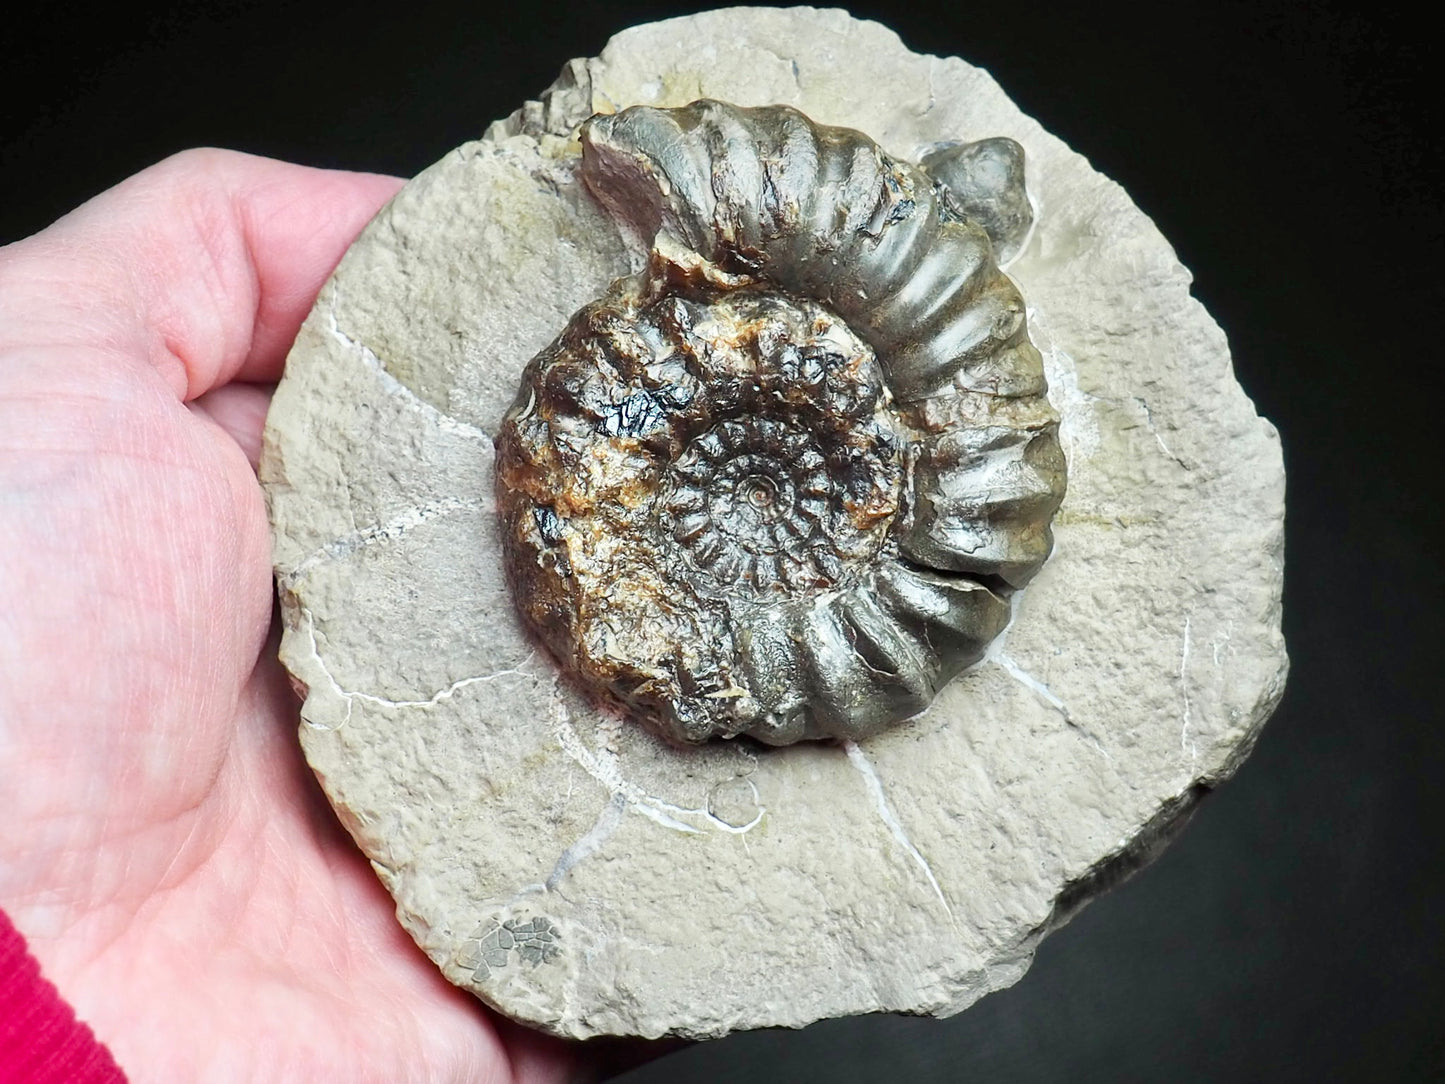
(1007, 663)
(1158, 438)
(389, 531)
(881, 805)
(352, 695)
(444, 421)
(1186, 745)
(606, 769)
(590, 842)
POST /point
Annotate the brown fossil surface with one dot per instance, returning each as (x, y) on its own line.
(782, 482)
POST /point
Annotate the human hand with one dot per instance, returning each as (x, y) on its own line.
(162, 845)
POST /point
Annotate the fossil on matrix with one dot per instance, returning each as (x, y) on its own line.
(745, 362)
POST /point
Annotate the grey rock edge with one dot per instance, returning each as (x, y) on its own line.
(578, 874)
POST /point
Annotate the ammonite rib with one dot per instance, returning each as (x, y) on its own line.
(776, 484)
(823, 212)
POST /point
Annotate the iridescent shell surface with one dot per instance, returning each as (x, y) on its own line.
(782, 482)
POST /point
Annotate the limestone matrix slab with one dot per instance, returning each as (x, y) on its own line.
(575, 872)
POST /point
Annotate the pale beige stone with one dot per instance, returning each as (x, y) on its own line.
(569, 868)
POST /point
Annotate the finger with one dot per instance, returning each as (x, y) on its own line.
(204, 265)
(240, 409)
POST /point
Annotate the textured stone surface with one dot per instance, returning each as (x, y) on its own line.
(570, 868)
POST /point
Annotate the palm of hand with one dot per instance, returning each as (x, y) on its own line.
(164, 848)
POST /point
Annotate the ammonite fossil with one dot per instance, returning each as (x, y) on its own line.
(782, 482)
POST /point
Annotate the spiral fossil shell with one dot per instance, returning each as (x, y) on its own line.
(781, 482)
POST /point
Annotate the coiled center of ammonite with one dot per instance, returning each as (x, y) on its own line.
(760, 492)
(761, 505)
(696, 458)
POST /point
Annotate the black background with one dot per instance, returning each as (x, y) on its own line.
(1289, 153)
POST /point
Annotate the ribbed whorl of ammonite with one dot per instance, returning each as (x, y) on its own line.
(781, 482)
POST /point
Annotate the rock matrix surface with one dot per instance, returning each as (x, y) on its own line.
(579, 873)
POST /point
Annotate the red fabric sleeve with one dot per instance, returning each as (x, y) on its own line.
(41, 1041)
